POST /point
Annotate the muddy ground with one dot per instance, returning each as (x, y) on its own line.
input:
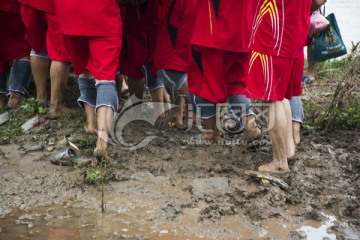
(174, 188)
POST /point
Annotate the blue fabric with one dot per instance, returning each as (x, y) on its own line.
(107, 95)
(151, 81)
(297, 110)
(240, 105)
(172, 79)
(87, 92)
(205, 108)
(42, 54)
(20, 76)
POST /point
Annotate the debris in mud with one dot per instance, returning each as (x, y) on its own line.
(4, 117)
(29, 124)
(298, 235)
(35, 148)
(266, 179)
(171, 211)
(209, 186)
(215, 212)
(69, 157)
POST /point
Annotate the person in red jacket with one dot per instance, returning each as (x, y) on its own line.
(14, 50)
(134, 51)
(279, 33)
(173, 49)
(220, 59)
(93, 34)
(43, 33)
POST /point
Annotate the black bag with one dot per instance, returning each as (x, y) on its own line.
(328, 44)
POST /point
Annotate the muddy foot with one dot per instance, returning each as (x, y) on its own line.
(101, 155)
(15, 100)
(58, 112)
(90, 128)
(275, 168)
(252, 131)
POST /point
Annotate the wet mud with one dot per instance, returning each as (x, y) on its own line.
(175, 188)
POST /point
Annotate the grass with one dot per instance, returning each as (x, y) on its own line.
(12, 129)
(335, 101)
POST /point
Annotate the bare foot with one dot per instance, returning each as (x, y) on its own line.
(101, 152)
(59, 111)
(15, 100)
(296, 132)
(209, 137)
(90, 128)
(274, 167)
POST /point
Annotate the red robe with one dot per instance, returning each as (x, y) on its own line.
(223, 25)
(43, 5)
(12, 33)
(173, 46)
(102, 17)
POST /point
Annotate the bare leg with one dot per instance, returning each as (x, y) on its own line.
(119, 84)
(311, 65)
(136, 86)
(59, 74)
(296, 132)
(89, 110)
(278, 136)
(179, 114)
(40, 72)
(157, 97)
(290, 144)
(104, 121)
(213, 134)
(252, 131)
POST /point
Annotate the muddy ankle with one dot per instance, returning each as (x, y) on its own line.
(101, 152)
(58, 111)
(211, 136)
(252, 131)
(296, 132)
(15, 100)
(90, 129)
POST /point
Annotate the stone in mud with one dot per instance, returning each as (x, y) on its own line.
(4, 118)
(297, 235)
(142, 176)
(209, 186)
(35, 148)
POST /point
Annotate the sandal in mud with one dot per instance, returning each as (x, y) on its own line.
(69, 157)
(267, 179)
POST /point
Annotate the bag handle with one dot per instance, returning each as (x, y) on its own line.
(322, 11)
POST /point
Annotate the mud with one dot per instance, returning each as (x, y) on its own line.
(174, 188)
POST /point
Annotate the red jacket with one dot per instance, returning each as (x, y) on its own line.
(224, 25)
(280, 27)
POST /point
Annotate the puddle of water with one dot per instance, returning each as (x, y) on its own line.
(314, 231)
(72, 223)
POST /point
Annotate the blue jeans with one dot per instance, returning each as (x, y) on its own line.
(297, 110)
